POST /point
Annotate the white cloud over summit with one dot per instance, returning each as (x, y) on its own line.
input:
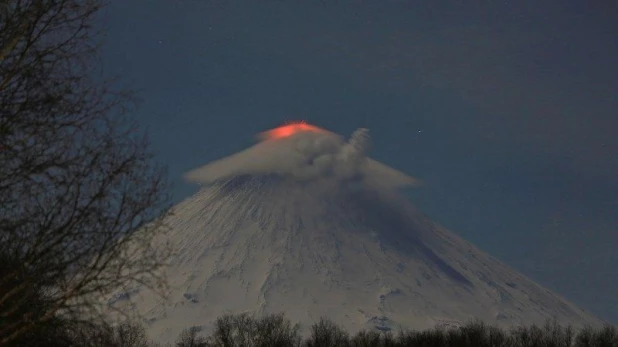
(305, 155)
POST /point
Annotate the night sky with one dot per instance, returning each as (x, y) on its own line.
(508, 111)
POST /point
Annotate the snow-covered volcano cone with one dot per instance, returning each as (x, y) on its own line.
(305, 223)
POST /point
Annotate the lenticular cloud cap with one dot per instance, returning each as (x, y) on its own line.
(304, 152)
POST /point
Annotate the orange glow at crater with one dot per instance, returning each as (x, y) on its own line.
(289, 130)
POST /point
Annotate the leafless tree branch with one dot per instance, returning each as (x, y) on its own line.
(79, 195)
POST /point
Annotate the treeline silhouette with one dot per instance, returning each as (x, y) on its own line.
(277, 331)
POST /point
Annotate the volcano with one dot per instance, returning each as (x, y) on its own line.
(307, 224)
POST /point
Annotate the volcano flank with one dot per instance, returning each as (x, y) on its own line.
(308, 225)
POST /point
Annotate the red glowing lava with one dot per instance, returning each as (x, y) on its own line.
(289, 130)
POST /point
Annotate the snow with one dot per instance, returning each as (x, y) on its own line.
(271, 231)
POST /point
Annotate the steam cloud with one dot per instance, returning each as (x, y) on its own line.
(327, 156)
(305, 156)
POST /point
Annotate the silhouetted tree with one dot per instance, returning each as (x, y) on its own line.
(366, 338)
(275, 330)
(190, 338)
(325, 333)
(127, 334)
(31, 304)
(130, 335)
(244, 330)
(272, 330)
(429, 338)
(607, 336)
(78, 192)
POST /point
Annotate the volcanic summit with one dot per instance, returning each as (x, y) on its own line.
(305, 223)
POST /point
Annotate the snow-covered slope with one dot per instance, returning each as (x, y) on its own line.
(347, 246)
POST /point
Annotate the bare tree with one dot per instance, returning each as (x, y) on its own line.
(79, 195)
(131, 335)
(251, 331)
(326, 333)
(126, 334)
(190, 338)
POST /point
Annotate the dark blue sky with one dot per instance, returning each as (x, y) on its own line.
(508, 111)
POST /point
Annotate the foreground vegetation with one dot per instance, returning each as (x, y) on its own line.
(277, 331)
(80, 193)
